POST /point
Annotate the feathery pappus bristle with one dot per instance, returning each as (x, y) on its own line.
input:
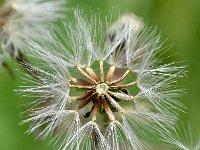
(185, 137)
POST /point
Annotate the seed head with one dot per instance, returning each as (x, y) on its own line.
(22, 20)
(102, 89)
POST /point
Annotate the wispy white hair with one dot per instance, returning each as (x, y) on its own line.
(128, 44)
(29, 20)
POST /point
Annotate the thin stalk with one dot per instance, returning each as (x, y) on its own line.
(83, 87)
(92, 74)
(119, 79)
(122, 96)
(122, 86)
(85, 101)
(107, 109)
(101, 71)
(86, 75)
(95, 109)
(114, 104)
(110, 73)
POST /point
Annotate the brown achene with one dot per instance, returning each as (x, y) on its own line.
(101, 90)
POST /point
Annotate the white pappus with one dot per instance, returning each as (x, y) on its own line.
(101, 85)
(22, 20)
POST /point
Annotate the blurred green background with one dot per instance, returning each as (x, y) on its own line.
(179, 20)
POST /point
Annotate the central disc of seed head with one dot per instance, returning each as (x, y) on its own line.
(102, 88)
(103, 91)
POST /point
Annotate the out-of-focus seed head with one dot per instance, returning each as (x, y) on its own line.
(22, 20)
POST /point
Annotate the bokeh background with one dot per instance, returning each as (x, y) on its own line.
(178, 20)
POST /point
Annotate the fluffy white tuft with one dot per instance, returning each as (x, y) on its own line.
(27, 20)
(128, 45)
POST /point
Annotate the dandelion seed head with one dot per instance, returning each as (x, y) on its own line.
(103, 88)
(22, 20)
